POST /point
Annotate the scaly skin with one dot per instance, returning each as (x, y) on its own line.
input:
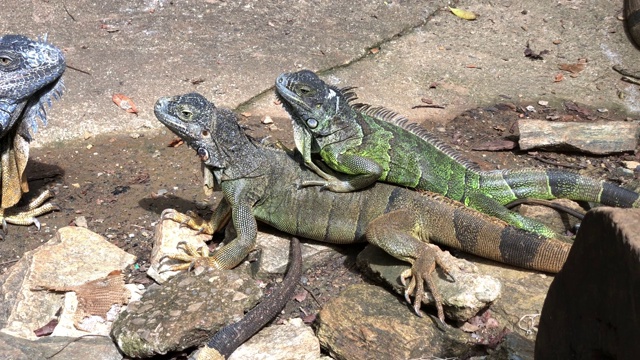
(365, 144)
(258, 184)
(30, 77)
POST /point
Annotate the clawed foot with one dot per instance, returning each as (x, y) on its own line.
(420, 273)
(190, 220)
(191, 257)
(27, 215)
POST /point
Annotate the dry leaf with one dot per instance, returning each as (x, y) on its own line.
(176, 142)
(125, 103)
(463, 14)
(572, 68)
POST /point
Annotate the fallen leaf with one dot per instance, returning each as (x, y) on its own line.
(176, 142)
(463, 14)
(301, 296)
(572, 68)
(46, 329)
(125, 103)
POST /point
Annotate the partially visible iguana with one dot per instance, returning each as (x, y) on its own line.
(30, 77)
(366, 144)
(258, 183)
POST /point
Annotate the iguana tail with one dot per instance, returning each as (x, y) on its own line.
(508, 185)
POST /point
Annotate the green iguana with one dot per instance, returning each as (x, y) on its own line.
(366, 144)
(30, 77)
(258, 184)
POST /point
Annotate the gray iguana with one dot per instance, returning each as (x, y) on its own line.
(30, 77)
(258, 184)
(365, 144)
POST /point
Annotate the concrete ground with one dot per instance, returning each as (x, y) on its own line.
(398, 54)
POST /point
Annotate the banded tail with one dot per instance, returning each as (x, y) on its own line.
(508, 185)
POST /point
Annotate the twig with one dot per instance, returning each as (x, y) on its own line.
(8, 262)
(78, 70)
(64, 6)
(428, 106)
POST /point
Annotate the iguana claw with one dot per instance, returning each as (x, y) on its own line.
(190, 220)
(192, 257)
(421, 272)
(27, 215)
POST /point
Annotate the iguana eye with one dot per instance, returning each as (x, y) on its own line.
(312, 123)
(303, 90)
(186, 114)
(5, 60)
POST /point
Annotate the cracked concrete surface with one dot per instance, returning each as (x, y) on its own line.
(232, 51)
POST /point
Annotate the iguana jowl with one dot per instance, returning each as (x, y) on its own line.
(366, 144)
(30, 77)
(258, 184)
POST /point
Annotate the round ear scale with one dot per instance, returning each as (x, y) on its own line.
(203, 154)
(312, 123)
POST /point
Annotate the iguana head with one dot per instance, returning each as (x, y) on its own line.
(212, 132)
(30, 76)
(320, 108)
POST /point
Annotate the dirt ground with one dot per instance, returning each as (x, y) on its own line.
(121, 184)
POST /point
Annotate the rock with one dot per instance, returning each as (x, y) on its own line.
(462, 298)
(292, 340)
(74, 256)
(523, 293)
(58, 348)
(368, 322)
(275, 247)
(591, 310)
(168, 234)
(513, 346)
(631, 165)
(185, 311)
(599, 138)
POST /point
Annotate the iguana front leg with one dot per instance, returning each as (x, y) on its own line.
(27, 215)
(399, 234)
(303, 140)
(13, 184)
(237, 204)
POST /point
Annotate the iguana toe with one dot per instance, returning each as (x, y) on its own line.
(27, 215)
(420, 273)
(190, 220)
(191, 258)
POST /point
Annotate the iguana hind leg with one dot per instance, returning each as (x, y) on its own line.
(485, 204)
(398, 233)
